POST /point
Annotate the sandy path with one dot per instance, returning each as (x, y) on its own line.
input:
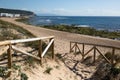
(62, 39)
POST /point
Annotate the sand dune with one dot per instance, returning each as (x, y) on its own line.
(62, 42)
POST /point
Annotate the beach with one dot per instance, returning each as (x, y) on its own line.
(62, 39)
(62, 46)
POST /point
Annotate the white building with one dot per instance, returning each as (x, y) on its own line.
(9, 15)
(16, 15)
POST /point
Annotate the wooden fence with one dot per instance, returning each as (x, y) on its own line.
(74, 45)
(10, 47)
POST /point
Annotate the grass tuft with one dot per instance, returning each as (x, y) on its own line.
(48, 70)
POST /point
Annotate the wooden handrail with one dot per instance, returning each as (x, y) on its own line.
(23, 40)
(100, 45)
(9, 47)
(29, 40)
(94, 48)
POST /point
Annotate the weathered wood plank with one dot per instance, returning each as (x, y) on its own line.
(21, 51)
(112, 57)
(75, 47)
(46, 49)
(100, 45)
(9, 60)
(40, 51)
(89, 51)
(83, 50)
(23, 40)
(103, 56)
(52, 48)
(78, 48)
(72, 47)
(94, 54)
(29, 40)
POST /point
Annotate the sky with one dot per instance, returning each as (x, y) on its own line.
(66, 7)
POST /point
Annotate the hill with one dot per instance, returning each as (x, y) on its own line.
(15, 11)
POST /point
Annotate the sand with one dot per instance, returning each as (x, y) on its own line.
(62, 42)
(62, 39)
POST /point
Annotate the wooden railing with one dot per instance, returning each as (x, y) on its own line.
(10, 46)
(74, 47)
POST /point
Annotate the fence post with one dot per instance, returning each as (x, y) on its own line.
(70, 46)
(52, 49)
(9, 59)
(83, 48)
(113, 53)
(75, 47)
(40, 51)
(94, 57)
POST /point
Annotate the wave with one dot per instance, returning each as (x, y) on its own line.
(45, 21)
(82, 26)
(48, 20)
(61, 18)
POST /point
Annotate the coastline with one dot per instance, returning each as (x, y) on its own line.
(78, 29)
(62, 39)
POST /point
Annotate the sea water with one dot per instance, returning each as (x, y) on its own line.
(97, 22)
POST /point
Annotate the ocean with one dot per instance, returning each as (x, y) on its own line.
(99, 23)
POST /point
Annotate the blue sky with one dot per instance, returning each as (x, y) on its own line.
(67, 7)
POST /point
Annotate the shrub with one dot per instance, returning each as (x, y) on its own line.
(59, 56)
(115, 71)
(21, 74)
(7, 25)
(48, 70)
(30, 60)
(24, 76)
(16, 67)
(3, 71)
(108, 55)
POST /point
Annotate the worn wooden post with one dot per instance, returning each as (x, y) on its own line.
(75, 47)
(83, 48)
(9, 59)
(40, 51)
(94, 54)
(70, 47)
(52, 49)
(112, 57)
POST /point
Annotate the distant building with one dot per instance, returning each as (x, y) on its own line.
(9, 15)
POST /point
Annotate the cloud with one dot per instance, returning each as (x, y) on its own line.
(24, 9)
(82, 12)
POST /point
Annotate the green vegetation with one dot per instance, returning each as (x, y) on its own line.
(9, 31)
(22, 75)
(3, 71)
(106, 71)
(23, 20)
(57, 67)
(6, 32)
(31, 61)
(109, 56)
(13, 11)
(59, 56)
(78, 30)
(48, 70)
(84, 30)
